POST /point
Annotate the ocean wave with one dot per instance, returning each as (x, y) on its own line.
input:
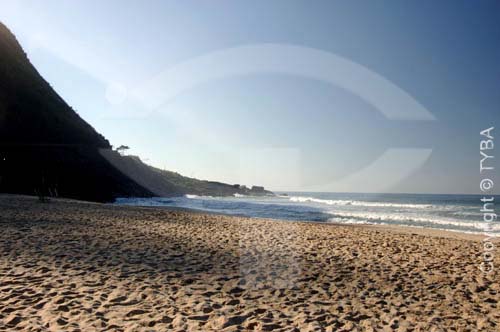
(460, 230)
(467, 213)
(394, 218)
(347, 211)
(190, 196)
(302, 199)
(352, 221)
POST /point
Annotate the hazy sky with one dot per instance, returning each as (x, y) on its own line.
(281, 129)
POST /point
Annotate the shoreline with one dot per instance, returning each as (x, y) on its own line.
(436, 232)
(439, 232)
(425, 231)
(79, 266)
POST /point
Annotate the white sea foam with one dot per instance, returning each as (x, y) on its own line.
(302, 199)
(201, 197)
(395, 218)
(361, 222)
(348, 209)
(352, 221)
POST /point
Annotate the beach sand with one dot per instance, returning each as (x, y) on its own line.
(75, 266)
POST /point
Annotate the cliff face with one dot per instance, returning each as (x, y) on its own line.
(46, 147)
(44, 144)
(31, 112)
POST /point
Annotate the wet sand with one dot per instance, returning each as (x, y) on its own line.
(75, 266)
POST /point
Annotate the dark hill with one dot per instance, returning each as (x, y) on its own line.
(46, 147)
(44, 144)
(31, 112)
(167, 183)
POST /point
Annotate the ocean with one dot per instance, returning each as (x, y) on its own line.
(449, 212)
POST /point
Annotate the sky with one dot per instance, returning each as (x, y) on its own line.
(293, 95)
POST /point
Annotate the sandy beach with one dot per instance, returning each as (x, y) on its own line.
(76, 266)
